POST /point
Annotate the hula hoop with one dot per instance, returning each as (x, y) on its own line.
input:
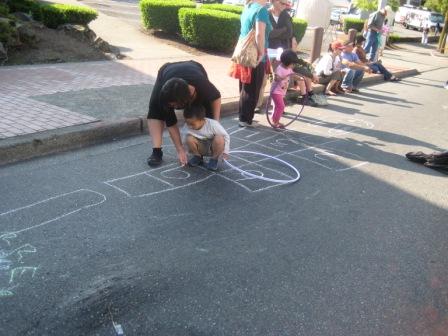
(247, 173)
(268, 104)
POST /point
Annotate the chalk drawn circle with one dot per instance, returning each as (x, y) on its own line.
(248, 173)
(255, 172)
(178, 174)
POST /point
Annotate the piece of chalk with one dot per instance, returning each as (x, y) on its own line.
(118, 329)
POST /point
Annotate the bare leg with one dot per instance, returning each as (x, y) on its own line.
(218, 146)
(329, 87)
(193, 145)
(155, 128)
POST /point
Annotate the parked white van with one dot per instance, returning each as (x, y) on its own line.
(420, 18)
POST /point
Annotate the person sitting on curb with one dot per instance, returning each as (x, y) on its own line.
(328, 69)
(376, 67)
(353, 68)
(178, 85)
(206, 137)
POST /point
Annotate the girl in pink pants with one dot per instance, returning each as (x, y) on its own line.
(281, 81)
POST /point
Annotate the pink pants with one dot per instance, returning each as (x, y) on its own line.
(279, 108)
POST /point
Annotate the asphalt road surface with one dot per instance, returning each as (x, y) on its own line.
(358, 246)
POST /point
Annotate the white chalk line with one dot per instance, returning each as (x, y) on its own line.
(56, 218)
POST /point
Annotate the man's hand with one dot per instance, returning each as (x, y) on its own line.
(367, 69)
(315, 79)
(225, 156)
(182, 156)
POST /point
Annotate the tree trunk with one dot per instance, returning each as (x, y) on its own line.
(442, 38)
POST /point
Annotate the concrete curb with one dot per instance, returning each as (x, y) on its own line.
(39, 144)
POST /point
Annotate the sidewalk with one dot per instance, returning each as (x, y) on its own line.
(55, 107)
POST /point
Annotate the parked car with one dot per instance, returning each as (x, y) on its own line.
(335, 17)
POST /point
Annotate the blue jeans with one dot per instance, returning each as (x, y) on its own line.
(371, 44)
(352, 79)
(379, 68)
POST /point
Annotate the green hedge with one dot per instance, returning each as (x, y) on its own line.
(225, 8)
(55, 15)
(210, 29)
(299, 28)
(6, 32)
(352, 23)
(4, 10)
(77, 14)
(163, 14)
(26, 6)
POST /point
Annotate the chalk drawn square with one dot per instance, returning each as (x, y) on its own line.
(136, 185)
(285, 143)
(178, 176)
(332, 159)
(250, 134)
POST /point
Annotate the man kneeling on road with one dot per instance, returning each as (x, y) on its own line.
(353, 68)
(178, 85)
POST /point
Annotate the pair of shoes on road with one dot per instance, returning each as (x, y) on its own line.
(197, 160)
(307, 101)
(246, 124)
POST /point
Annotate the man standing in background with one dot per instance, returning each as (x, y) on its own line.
(374, 26)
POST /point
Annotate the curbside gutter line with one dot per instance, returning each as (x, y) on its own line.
(39, 144)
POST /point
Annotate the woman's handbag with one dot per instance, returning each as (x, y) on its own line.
(246, 52)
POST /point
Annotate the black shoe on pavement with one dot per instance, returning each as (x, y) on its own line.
(154, 160)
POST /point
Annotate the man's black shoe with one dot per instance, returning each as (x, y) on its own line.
(154, 160)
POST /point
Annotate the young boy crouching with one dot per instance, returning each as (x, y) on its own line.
(205, 137)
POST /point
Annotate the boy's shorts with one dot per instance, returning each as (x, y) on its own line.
(205, 146)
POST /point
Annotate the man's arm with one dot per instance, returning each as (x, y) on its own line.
(175, 137)
(216, 108)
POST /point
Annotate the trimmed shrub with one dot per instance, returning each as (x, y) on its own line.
(225, 8)
(5, 32)
(352, 23)
(77, 14)
(55, 15)
(299, 28)
(52, 17)
(4, 10)
(20, 5)
(210, 29)
(163, 14)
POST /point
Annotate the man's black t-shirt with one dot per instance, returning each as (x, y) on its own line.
(194, 74)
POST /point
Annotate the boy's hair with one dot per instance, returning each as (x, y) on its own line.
(194, 112)
(175, 90)
(289, 57)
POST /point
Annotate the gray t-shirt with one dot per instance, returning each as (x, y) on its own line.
(376, 20)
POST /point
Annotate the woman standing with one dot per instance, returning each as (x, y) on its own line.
(281, 34)
(255, 15)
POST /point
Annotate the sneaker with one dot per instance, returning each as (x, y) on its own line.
(212, 164)
(154, 160)
(244, 124)
(355, 90)
(195, 161)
